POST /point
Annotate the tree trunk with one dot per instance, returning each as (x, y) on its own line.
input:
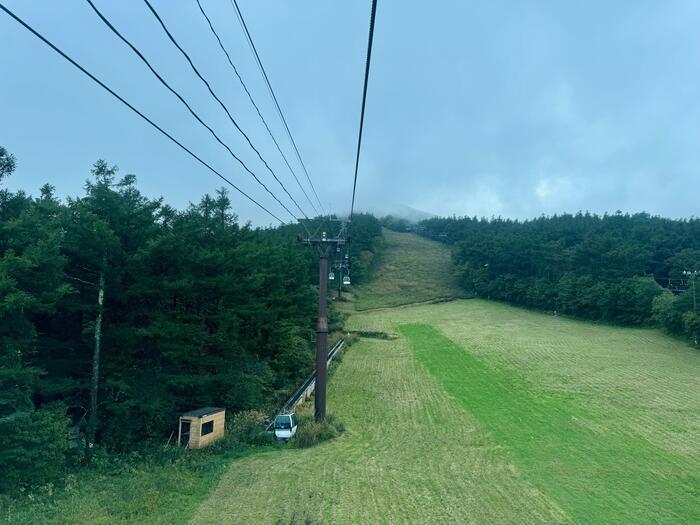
(92, 424)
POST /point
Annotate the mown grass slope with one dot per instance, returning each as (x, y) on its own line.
(483, 413)
(410, 454)
(134, 489)
(411, 270)
(593, 465)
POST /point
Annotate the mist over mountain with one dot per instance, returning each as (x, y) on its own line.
(401, 211)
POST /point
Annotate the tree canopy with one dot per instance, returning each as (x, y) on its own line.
(199, 310)
(617, 268)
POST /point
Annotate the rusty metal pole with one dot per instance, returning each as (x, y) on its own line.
(321, 337)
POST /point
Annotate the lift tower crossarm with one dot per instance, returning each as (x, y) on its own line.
(324, 245)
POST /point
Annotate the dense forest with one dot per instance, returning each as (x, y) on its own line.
(118, 312)
(629, 269)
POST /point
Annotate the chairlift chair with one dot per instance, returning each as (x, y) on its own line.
(331, 276)
(285, 426)
(346, 280)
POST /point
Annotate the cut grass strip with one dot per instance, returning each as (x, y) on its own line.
(595, 472)
(410, 454)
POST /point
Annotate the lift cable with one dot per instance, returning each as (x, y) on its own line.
(211, 91)
(252, 101)
(184, 102)
(241, 20)
(132, 108)
(364, 99)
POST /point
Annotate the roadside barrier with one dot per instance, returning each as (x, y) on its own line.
(307, 387)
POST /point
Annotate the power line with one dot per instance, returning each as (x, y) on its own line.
(234, 4)
(189, 108)
(132, 108)
(240, 79)
(223, 106)
(364, 100)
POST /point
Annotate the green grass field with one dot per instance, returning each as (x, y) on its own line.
(476, 412)
(483, 413)
(134, 490)
(411, 270)
(597, 470)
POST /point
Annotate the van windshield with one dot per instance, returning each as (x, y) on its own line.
(283, 422)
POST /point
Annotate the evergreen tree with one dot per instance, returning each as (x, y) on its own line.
(610, 268)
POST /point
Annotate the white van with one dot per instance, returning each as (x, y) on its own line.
(286, 426)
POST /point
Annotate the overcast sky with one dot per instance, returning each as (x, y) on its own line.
(511, 108)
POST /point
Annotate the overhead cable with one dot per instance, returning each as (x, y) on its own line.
(252, 101)
(241, 20)
(132, 108)
(184, 102)
(211, 91)
(364, 100)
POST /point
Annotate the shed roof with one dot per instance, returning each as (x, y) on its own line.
(201, 412)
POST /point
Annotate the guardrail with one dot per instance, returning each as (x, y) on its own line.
(307, 387)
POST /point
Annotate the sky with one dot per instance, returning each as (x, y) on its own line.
(486, 108)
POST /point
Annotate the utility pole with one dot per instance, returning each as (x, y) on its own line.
(324, 245)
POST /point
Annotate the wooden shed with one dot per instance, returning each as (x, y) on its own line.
(201, 427)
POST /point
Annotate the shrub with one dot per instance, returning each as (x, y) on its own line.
(249, 427)
(34, 447)
(336, 423)
(312, 433)
(351, 339)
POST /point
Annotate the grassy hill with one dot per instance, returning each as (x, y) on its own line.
(475, 412)
(483, 413)
(411, 270)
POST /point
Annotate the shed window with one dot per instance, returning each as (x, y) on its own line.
(207, 428)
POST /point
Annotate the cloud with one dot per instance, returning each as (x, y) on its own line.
(474, 108)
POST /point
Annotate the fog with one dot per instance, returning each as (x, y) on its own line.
(478, 108)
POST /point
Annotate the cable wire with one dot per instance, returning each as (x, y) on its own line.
(241, 20)
(184, 102)
(252, 101)
(132, 108)
(364, 100)
(223, 106)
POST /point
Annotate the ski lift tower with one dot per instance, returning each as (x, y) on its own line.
(325, 246)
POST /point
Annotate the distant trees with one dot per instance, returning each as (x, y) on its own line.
(366, 236)
(397, 224)
(7, 163)
(611, 267)
(117, 312)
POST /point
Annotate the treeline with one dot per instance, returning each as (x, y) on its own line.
(617, 268)
(365, 233)
(118, 312)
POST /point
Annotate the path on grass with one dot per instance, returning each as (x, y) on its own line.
(483, 413)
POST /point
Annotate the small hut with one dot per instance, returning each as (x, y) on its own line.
(201, 427)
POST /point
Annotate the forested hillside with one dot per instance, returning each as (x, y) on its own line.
(619, 268)
(119, 302)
